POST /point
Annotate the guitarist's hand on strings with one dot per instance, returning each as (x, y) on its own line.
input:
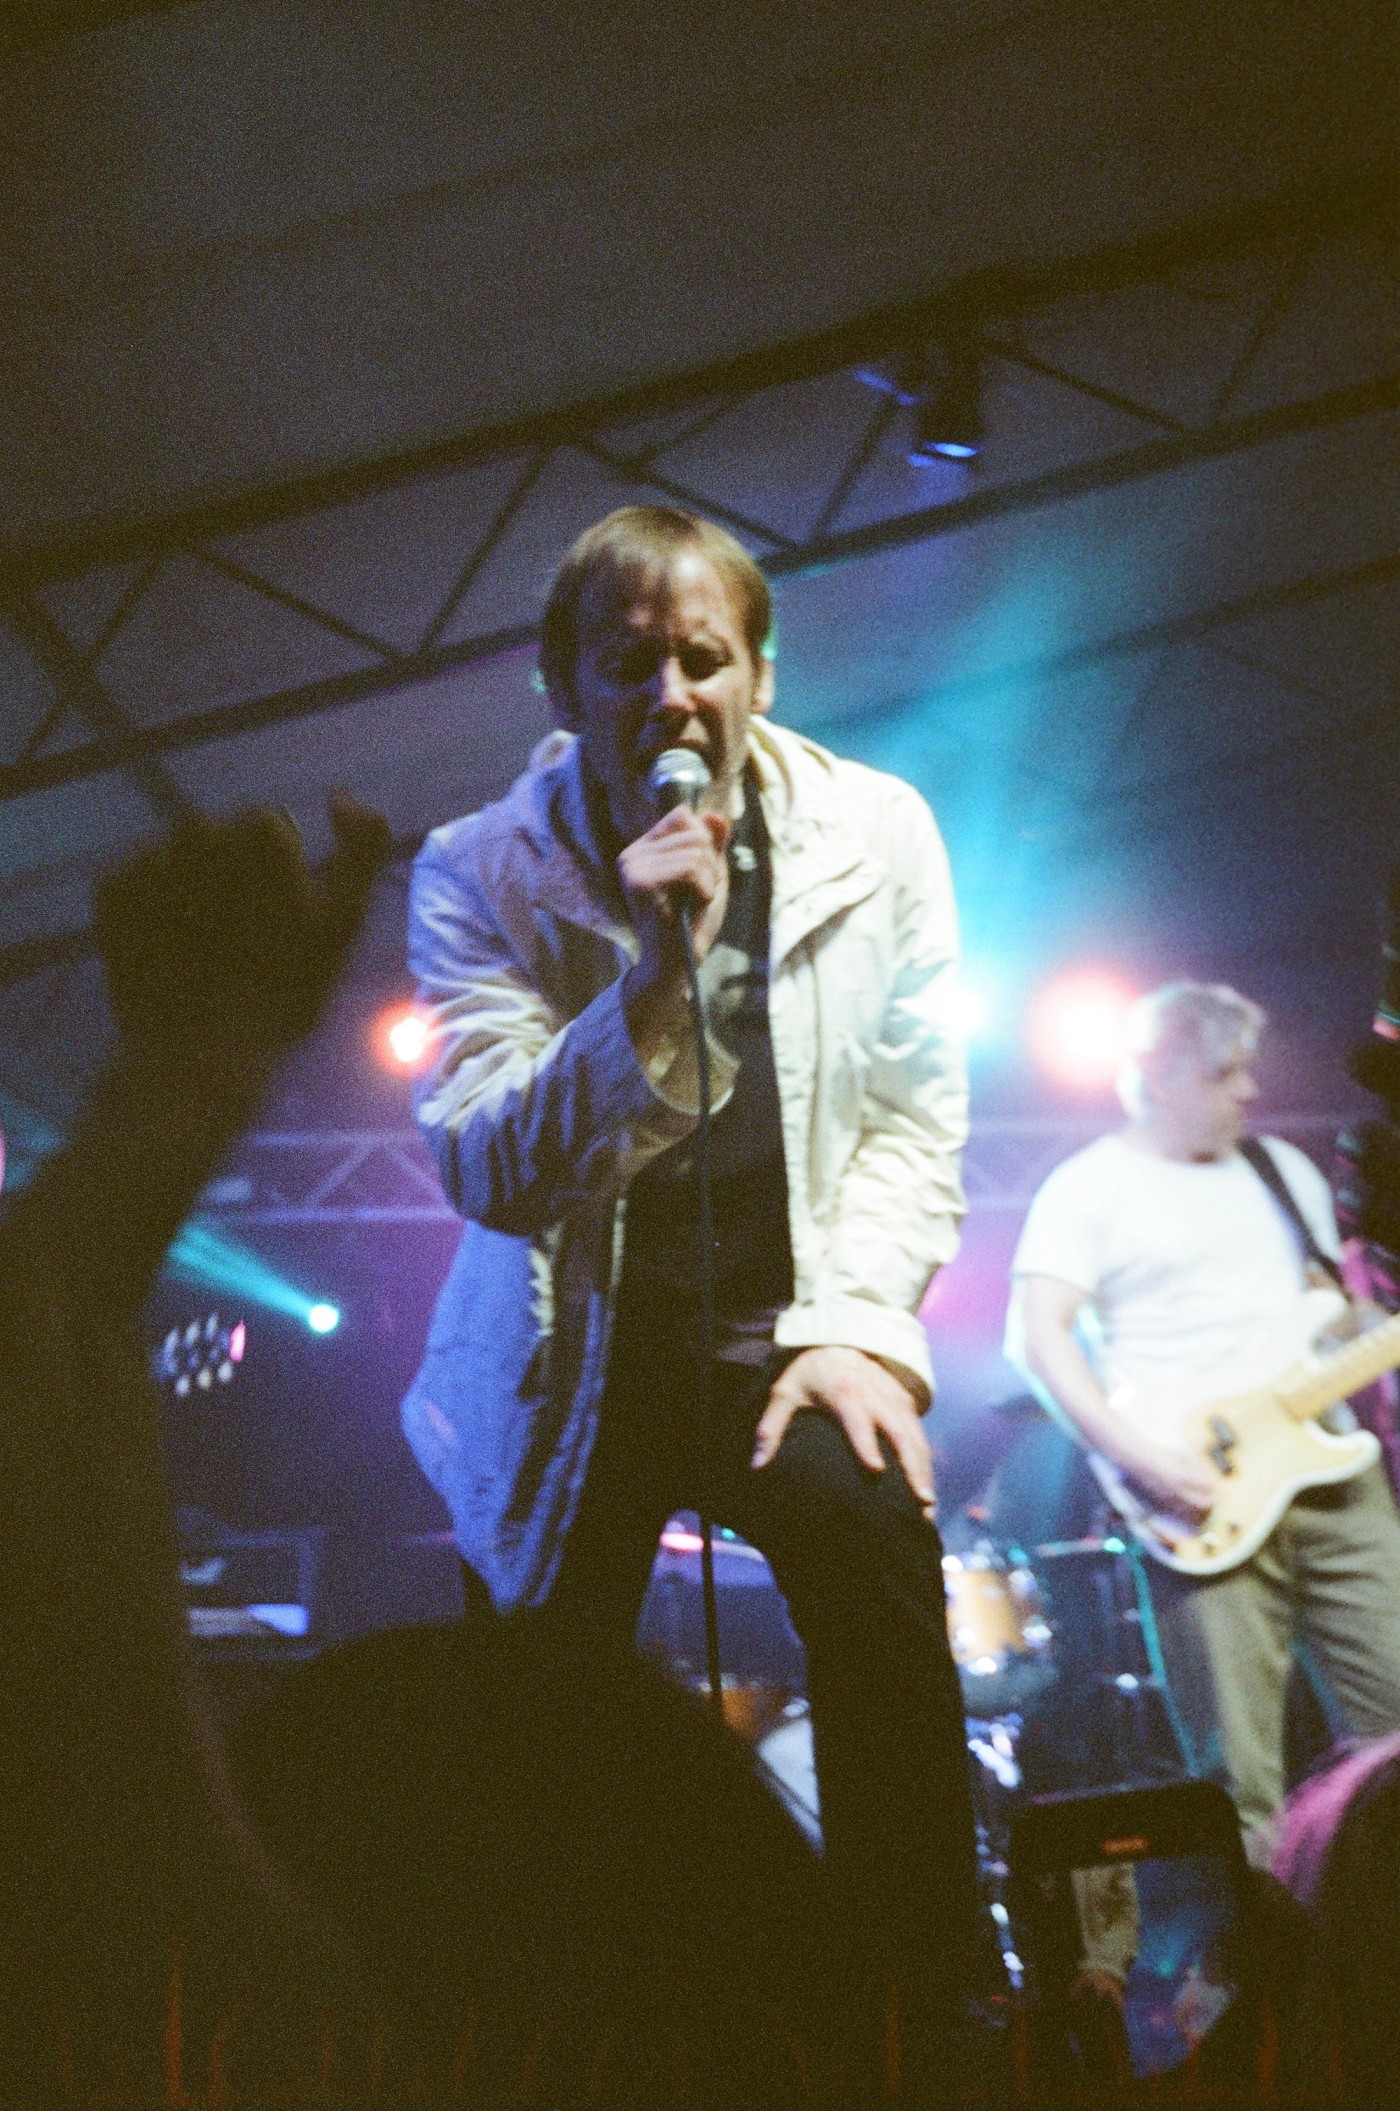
(1166, 1475)
(1171, 1478)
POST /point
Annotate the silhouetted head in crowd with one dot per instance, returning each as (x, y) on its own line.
(560, 1848)
(1339, 1853)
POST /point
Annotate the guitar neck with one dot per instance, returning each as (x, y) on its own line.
(1346, 1371)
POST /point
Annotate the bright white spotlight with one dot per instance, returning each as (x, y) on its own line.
(971, 1010)
(1079, 1028)
(404, 1038)
(323, 1319)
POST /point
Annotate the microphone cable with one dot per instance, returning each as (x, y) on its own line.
(680, 777)
(705, 1238)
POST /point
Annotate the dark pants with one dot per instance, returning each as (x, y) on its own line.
(861, 1570)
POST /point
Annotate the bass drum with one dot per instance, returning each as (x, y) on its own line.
(1001, 1638)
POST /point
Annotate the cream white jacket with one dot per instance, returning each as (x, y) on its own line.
(540, 1113)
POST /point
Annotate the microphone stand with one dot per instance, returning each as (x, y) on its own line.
(705, 1234)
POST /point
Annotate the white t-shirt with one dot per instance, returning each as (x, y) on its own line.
(1182, 1262)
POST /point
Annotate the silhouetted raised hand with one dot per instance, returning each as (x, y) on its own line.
(224, 936)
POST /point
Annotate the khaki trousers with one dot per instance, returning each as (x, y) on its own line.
(1327, 1577)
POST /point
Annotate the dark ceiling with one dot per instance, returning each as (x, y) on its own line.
(27, 24)
(328, 325)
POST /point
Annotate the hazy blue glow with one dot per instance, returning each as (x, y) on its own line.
(323, 1319)
(29, 1138)
(1005, 761)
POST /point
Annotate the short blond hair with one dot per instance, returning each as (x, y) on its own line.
(1205, 1020)
(625, 555)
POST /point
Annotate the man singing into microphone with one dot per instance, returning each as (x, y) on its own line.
(559, 1410)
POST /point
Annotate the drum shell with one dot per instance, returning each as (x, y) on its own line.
(998, 1630)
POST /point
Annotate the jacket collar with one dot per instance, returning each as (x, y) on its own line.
(573, 876)
(820, 864)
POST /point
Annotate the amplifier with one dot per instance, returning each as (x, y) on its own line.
(245, 1590)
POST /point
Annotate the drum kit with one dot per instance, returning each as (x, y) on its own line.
(997, 1625)
(1057, 1641)
(1067, 1630)
(1073, 1614)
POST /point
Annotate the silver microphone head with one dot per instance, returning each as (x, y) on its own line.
(678, 777)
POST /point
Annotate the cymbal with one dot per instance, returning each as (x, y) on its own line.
(1061, 1549)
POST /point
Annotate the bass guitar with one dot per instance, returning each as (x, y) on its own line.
(1256, 1419)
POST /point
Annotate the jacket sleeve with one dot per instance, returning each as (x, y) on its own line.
(901, 1197)
(530, 1112)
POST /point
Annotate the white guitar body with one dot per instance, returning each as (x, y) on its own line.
(1254, 1418)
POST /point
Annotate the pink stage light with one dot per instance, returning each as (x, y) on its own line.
(1079, 1028)
(403, 1038)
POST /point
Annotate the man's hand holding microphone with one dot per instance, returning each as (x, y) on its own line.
(676, 873)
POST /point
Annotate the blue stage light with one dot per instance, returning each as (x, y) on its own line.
(943, 388)
(200, 1253)
(948, 421)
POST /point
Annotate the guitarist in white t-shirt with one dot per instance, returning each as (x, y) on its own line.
(1146, 1263)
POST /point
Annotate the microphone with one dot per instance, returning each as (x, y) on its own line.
(1387, 1019)
(1376, 1063)
(1367, 1174)
(678, 777)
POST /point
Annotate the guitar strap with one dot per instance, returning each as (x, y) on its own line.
(1261, 1158)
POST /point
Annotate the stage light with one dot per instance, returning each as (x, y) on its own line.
(943, 388)
(1079, 1028)
(948, 421)
(201, 1253)
(971, 1010)
(323, 1319)
(403, 1038)
(408, 1037)
(199, 1356)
